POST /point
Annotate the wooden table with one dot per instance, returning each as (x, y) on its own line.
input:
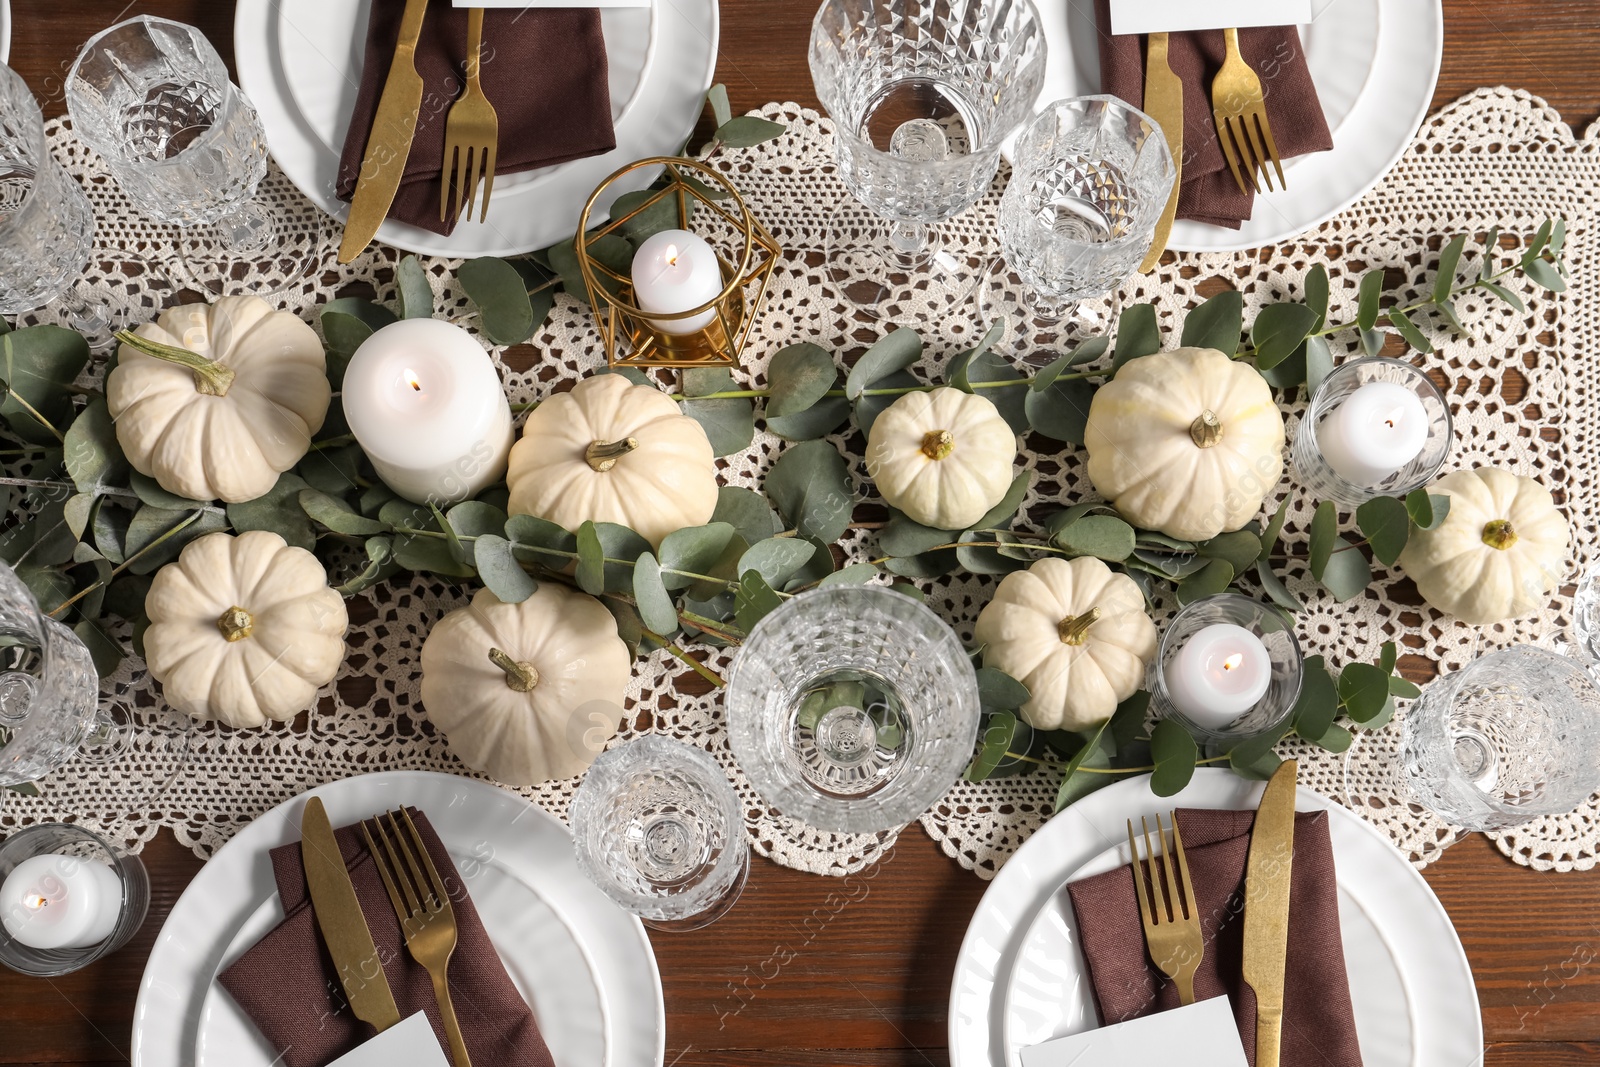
(809, 970)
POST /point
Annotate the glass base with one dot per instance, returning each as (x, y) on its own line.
(1040, 328)
(904, 275)
(720, 907)
(256, 251)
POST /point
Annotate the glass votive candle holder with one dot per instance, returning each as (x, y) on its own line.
(67, 898)
(1374, 427)
(1228, 669)
(660, 830)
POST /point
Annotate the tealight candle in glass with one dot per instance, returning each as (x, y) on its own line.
(67, 898)
(1228, 668)
(1375, 427)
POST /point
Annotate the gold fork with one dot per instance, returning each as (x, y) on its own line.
(471, 134)
(1240, 112)
(1171, 920)
(422, 902)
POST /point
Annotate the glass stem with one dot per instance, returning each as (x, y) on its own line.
(909, 239)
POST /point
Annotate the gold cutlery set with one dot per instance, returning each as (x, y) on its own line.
(421, 901)
(471, 130)
(1171, 918)
(1238, 107)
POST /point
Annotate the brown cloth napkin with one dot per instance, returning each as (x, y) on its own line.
(1209, 194)
(1318, 1023)
(543, 69)
(288, 985)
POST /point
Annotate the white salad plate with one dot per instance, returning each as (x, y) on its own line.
(583, 964)
(299, 62)
(5, 31)
(1020, 978)
(1374, 62)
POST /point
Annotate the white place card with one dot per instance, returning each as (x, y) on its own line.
(409, 1043)
(552, 3)
(1175, 16)
(1200, 1035)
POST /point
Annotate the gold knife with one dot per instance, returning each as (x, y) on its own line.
(344, 928)
(1163, 101)
(1266, 908)
(390, 141)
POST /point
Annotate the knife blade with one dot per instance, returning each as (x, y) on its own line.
(1163, 101)
(344, 928)
(1266, 908)
(389, 143)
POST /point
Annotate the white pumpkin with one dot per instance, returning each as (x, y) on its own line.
(243, 629)
(1498, 553)
(943, 457)
(230, 399)
(1187, 442)
(1075, 633)
(613, 451)
(529, 692)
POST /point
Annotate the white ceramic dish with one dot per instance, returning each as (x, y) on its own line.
(1415, 1000)
(5, 31)
(583, 964)
(299, 62)
(1374, 62)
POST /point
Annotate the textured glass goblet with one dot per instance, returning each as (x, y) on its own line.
(48, 687)
(46, 223)
(922, 93)
(852, 708)
(1090, 177)
(658, 828)
(1513, 736)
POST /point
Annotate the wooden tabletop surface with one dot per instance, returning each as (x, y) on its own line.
(816, 971)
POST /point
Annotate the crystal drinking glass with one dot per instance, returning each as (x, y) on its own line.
(48, 687)
(67, 898)
(658, 828)
(46, 223)
(1202, 676)
(1090, 177)
(852, 708)
(922, 93)
(1513, 736)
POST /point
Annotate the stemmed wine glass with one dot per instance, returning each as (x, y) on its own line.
(922, 93)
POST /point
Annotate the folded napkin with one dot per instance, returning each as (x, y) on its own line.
(543, 70)
(288, 985)
(1209, 194)
(1318, 1021)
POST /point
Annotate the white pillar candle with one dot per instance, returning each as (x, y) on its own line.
(424, 401)
(1374, 432)
(676, 270)
(1219, 674)
(51, 902)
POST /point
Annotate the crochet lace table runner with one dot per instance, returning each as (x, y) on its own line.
(1495, 157)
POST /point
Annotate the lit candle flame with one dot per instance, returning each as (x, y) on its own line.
(36, 901)
(672, 255)
(1233, 661)
(1393, 418)
(411, 380)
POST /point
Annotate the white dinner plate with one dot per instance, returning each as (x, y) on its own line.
(299, 62)
(5, 31)
(582, 963)
(1374, 62)
(1020, 979)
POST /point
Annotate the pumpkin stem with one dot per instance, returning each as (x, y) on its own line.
(520, 676)
(938, 444)
(236, 624)
(1499, 534)
(1206, 429)
(210, 377)
(1074, 629)
(603, 455)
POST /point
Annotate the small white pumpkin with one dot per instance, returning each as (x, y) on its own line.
(1187, 442)
(1075, 633)
(219, 399)
(243, 629)
(943, 457)
(530, 692)
(1498, 553)
(613, 451)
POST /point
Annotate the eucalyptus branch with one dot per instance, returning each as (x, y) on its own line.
(699, 668)
(125, 564)
(1056, 765)
(22, 402)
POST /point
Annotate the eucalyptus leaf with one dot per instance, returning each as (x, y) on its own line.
(125, 596)
(1138, 334)
(1403, 688)
(38, 365)
(1279, 329)
(91, 453)
(431, 554)
(1318, 703)
(895, 351)
(1240, 548)
(1174, 754)
(926, 565)
(1449, 260)
(1257, 758)
(149, 492)
(695, 549)
(1006, 508)
(1425, 509)
(1388, 656)
(1544, 275)
(1212, 579)
(650, 596)
(338, 516)
(1269, 537)
(50, 587)
(1368, 294)
(798, 377)
(901, 536)
(502, 298)
(473, 518)
(852, 574)
(1347, 573)
(1088, 350)
(413, 288)
(776, 559)
(1386, 524)
(78, 512)
(811, 573)
(747, 511)
(993, 743)
(755, 600)
(1316, 285)
(1276, 591)
(611, 250)
(723, 574)
(1217, 323)
(277, 511)
(871, 403)
(810, 485)
(819, 420)
(1363, 687)
(717, 97)
(1319, 362)
(1336, 740)
(617, 543)
(109, 527)
(591, 572)
(156, 536)
(1372, 342)
(541, 541)
(660, 215)
(380, 565)
(1409, 330)
(1102, 536)
(729, 422)
(498, 567)
(334, 471)
(106, 651)
(1060, 411)
(982, 558)
(1324, 537)
(745, 131)
(977, 371)
(998, 690)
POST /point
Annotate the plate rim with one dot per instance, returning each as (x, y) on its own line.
(243, 844)
(5, 31)
(1074, 818)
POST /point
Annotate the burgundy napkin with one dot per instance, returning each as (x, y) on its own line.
(1318, 1022)
(543, 69)
(1209, 194)
(287, 983)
